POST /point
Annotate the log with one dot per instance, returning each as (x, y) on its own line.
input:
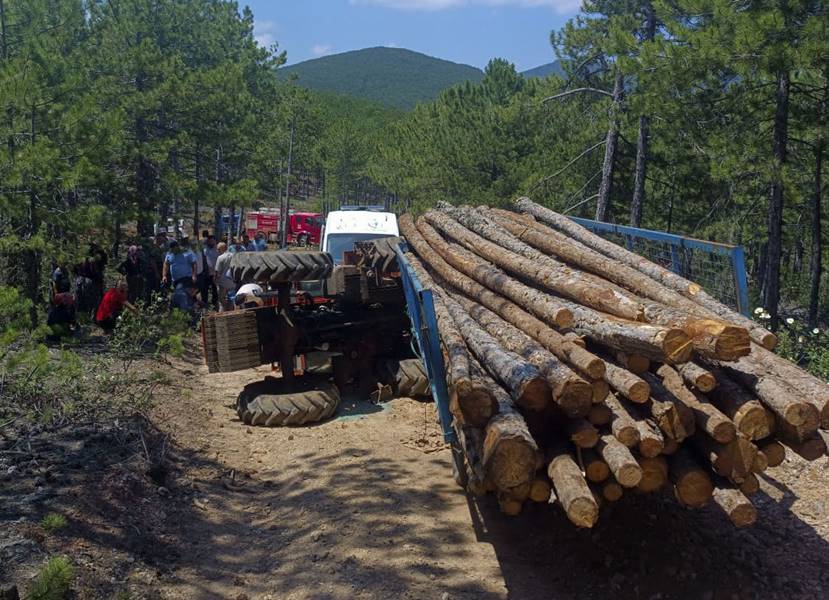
(582, 433)
(612, 491)
(600, 390)
(654, 473)
(471, 441)
(692, 484)
(811, 388)
(707, 417)
(733, 460)
(751, 485)
(575, 339)
(635, 363)
(651, 440)
(599, 415)
(711, 338)
(811, 448)
(435, 250)
(631, 386)
(774, 451)
(735, 505)
(540, 490)
(671, 446)
(491, 242)
(595, 468)
(660, 343)
(697, 377)
(572, 490)
(470, 401)
(621, 462)
(673, 417)
(747, 413)
(509, 506)
(509, 451)
(760, 463)
(775, 394)
(670, 280)
(569, 391)
(527, 386)
(622, 424)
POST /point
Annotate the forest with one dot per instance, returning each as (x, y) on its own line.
(701, 117)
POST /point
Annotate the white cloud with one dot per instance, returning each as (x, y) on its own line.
(264, 32)
(561, 6)
(321, 49)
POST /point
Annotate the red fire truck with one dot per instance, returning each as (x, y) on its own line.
(304, 228)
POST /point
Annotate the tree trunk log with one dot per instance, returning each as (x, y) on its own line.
(651, 440)
(751, 485)
(654, 473)
(612, 491)
(572, 491)
(692, 483)
(674, 418)
(775, 452)
(477, 234)
(692, 291)
(621, 462)
(816, 254)
(747, 413)
(570, 392)
(733, 461)
(606, 185)
(595, 468)
(697, 377)
(622, 424)
(631, 386)
(582, 433)
(527, 386)
(635, 363)
(708, 418)
(540, 490)
(735, 505)
(600, 390)
(599, 414)
(469, 400)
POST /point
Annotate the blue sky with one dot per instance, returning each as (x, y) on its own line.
(465, 31)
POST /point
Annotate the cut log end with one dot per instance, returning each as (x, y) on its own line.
(639, 392)
(751, 485)
(582, 433)
(732, 343)
(677, 346)
(575, 397)
(694, 489)
(810, 449)
(723, 432)
(540, 490)
(802, 415)
(752, 421)
(612, 491)
(534, 394)
(635, 363)
(510, 506)
(736, 506)
(775, 453)
(654, 474)
(563, 318)
(763, 337)
(583, 512)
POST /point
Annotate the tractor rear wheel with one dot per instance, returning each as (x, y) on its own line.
(280, 265)
(274, 403)
(407, 377)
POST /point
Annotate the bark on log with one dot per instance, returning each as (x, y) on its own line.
(711, 338)
(735, 505)
(635, 363)
(812, 389)
(575, 338)
(492, 243)
(811, 448)
(733, 461)
(654, 473)
(470, 401)
(622, 424)
(775, 395)
(673, 417)
(671, 447)
(434, 250)
(582, 433)
(599, 390)
(697, 377)
(509, 451)
(621, 462)
(761, 462)
(595, 468)
(708, 418)
(775, 452)
(692, 484)
(572, 491)
(651, 440)
(569, 391)
(527, 386)
(631, 386)
(747, 413)
(670, 280)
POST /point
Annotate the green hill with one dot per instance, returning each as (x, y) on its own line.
(390, 76)
(553, 68)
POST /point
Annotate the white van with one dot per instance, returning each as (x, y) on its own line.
(344, 227)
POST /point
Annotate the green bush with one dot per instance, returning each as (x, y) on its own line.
(53, 522)
(804, 346)
(53, 581)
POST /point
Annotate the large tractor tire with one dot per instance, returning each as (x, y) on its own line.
(407, 378)
(280, 266)
(380, 254)
(272, 403)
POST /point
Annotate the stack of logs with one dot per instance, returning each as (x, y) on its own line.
(579, 371)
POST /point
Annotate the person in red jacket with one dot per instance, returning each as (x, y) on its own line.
(115, 301)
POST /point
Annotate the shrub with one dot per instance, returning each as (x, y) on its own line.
(53, 522)
(53, 581)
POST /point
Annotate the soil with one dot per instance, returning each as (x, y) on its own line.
(193, 504)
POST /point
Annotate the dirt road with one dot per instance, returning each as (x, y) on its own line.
(352, 509)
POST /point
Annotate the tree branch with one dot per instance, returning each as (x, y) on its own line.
(567, 166)
(576, 91)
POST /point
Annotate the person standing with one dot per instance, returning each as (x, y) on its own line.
(179, 264)
(224, 282)
(260, 241)
(96, 263)
(209, 255)
(134, 270)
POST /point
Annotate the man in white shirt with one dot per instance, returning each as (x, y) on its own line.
(207, 261)
(224, 282)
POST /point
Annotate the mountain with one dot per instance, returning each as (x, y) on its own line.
(390, 76)
(553, 68)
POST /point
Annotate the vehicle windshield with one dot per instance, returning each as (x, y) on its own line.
(344, 242)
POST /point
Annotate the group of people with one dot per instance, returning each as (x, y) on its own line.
(197, 275)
